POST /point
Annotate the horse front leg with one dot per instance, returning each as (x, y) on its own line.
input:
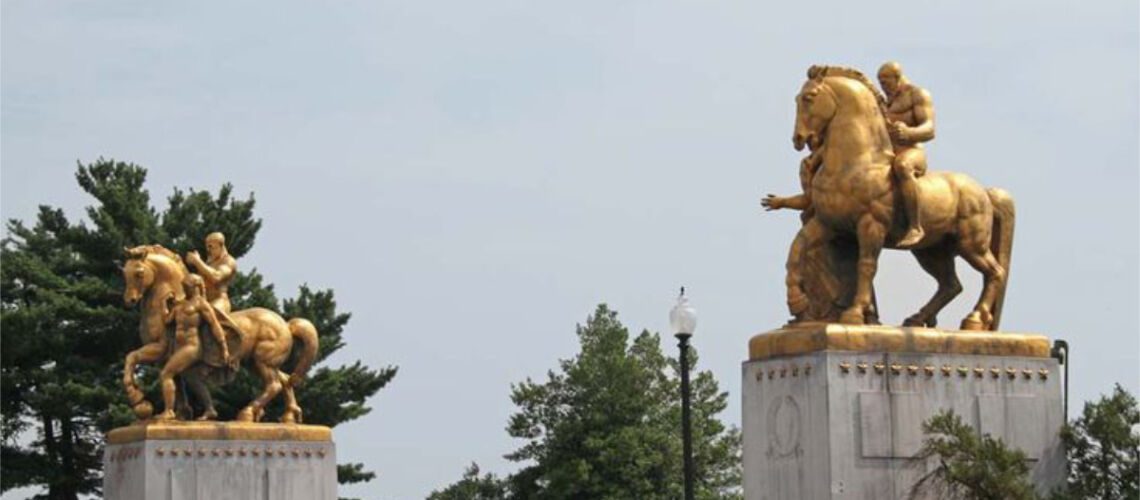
(147, 354)
(870, 234)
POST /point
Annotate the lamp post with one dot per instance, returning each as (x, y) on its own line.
(683, 320)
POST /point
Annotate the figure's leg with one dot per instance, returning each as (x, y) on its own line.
(871, 234)
(196, 382)
(906, 169)
(292, 414)
(178, 362)
(811, 232)
(147, 354)
(937, 261)
(273, 385)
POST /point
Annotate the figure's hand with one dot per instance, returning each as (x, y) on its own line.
(899, 132)
(772, 202)
(193, 257)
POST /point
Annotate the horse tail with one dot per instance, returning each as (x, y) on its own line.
(1001, 242)
(303, 330)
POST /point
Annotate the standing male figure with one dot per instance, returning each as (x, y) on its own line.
(910, 122)
(217, 273)
(188, 314)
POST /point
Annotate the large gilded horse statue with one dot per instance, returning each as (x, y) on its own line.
(153, 277)
(839, 115)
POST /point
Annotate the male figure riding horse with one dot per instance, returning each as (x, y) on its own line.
(910, 122)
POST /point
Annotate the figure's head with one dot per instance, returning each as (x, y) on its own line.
(193, 285)
(216, 245)
(891, 78)
(137, 278)
(815, 106)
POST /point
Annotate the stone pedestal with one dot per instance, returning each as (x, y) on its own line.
(836, 412)
(216, 461)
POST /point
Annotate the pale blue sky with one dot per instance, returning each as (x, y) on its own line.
(473, 177)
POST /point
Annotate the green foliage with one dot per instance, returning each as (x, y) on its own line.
(1104, 449)
(473, 487)
(607, 424)
(66, 332)
(970, 466)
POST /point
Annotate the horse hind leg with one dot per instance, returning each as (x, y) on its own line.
(938, 261)
(292, 414)
(273, 385)
(982, 318)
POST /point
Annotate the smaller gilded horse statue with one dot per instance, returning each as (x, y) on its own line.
(154, 277)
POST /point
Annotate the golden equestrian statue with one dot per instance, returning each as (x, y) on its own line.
(184, 320)
(866, 188)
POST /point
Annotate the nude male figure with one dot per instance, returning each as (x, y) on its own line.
(218, 272)
(910, 122)
(188, 315)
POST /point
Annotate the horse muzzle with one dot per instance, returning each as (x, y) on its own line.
(810, 139)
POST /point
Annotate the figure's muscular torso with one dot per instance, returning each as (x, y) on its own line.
(217, 292)
(908, 108)
(187, 316)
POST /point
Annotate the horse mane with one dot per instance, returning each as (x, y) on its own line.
(142, 251)
(820, 70)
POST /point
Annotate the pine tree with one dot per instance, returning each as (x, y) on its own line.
(65, 330)
(607, 424)
(969, 465)
(473, 487)
(1104, 449)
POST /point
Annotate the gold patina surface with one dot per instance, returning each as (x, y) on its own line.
(218, 431)
(813, 337)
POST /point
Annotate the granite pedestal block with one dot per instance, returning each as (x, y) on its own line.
(218, 461)
(836, 412)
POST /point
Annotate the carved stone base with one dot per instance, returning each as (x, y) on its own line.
(230, 460)
(836, 412)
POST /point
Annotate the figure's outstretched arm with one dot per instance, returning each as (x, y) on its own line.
(797, 202)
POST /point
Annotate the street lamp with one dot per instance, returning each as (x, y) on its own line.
(683, 320)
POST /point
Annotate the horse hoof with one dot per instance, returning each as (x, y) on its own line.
(144, 410)
(914, 321)
(245, 415)
(973, 322)
(851, 317)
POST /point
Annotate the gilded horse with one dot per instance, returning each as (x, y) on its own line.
(839, 115)
(153, 278)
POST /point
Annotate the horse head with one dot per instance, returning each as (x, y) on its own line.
(816, 105)
(146, 265)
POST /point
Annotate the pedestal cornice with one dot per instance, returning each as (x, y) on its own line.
(219, 431)
(813, 337)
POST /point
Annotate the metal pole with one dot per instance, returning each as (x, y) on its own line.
(686, 421)
(1060, 352)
